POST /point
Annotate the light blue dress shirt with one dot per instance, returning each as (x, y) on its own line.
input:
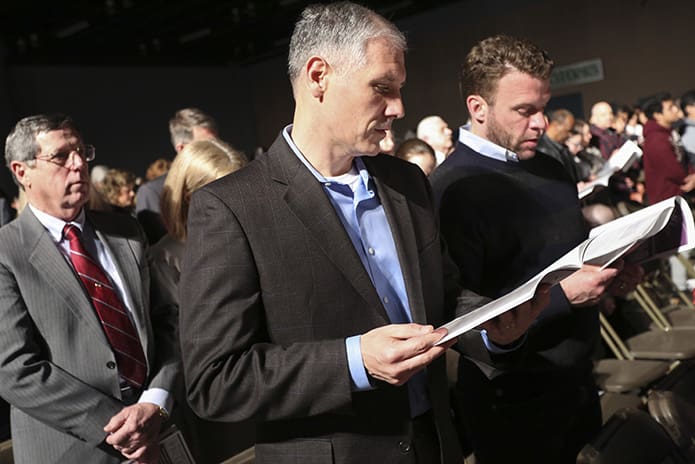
(356, 201)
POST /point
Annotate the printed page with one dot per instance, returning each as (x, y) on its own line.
(605, 244)
(620, 160)
(625, 156)
(614, 239)
(551, 275)
(589, 187)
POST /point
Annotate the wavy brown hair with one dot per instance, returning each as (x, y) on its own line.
(494, 57)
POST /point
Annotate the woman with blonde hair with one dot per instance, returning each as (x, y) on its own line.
(198, 164)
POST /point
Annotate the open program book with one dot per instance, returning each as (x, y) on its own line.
(620, 160)
(661, 229)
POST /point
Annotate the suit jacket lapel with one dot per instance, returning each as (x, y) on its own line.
(310, 204)
(53, 267)
(401, 222)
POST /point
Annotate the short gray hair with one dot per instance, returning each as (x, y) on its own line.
(338, 32)
(182, 123)
(21, 144)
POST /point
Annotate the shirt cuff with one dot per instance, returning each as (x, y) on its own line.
(494, 348)
(158, 396)
(358, 374)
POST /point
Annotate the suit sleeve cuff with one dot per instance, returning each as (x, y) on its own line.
(499, 349)
(158, 396)
(358, 374)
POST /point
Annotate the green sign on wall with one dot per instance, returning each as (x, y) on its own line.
(577, 73)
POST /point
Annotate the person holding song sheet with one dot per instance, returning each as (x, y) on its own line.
(312, 280)
(506, 213)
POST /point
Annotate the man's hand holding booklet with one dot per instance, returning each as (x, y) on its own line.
(659, 230)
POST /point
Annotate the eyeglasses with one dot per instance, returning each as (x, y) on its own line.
(86, 152)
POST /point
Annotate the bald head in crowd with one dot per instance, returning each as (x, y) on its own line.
(602, 115)
(436, 132)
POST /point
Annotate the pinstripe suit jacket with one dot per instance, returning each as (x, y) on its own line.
(271, 286)
(56, 366)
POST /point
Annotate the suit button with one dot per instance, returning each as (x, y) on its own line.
(404, 446)
(111, 365)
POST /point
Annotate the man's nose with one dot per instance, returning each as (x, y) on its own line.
(395, 108)
(538, 121)
(75, 161)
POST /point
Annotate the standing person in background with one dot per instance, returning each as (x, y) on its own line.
(418, 152)
(666, 168)
(157, 168)
(552, 142)
(604, 136)
(667, 171)
(579, 144)
(89, 358)
(436, 132)
(118, 189)
(688, 130)
(187, 125)
(198, 164)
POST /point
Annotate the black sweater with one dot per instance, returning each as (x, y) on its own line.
(504, 222)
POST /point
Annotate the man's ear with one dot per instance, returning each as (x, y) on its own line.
(21, 173)
(317, 70)
(477, 108)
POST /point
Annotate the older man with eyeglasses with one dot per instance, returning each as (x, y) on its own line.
(78, 359)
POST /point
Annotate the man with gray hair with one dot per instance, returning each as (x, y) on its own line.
(88, 348)
(311, 277)
(187, 125)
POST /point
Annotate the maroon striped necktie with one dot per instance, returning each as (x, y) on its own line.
(118, 327)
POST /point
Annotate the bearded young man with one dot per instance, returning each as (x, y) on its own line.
(508, 211)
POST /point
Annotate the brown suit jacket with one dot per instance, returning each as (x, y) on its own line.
(271, 286)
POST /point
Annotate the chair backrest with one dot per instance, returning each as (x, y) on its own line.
(248, 456)
(676, 416)
(657, 294)
(631, 436)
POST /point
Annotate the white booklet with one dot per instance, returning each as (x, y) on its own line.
(658, 230)
(619, 161)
